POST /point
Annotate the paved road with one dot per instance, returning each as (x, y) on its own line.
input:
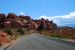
(36, 42)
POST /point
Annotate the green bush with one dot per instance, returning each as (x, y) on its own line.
(9, 31)
(21, 31)
(55, 35)
(0, 44)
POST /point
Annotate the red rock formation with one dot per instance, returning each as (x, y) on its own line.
(33, 25)
(7, 24)
(25, 17)
(13, 23)
(11, 16)
(46, 25)
(2, 19)
(17, 24)
(21, 21)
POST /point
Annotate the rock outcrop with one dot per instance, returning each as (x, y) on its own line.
(2, 20)
(21, 21)
(46, 25)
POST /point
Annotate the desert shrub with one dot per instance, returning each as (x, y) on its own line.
(55, 35)
(9, 31)
(21, 31)
(15, 36)
(0, 44)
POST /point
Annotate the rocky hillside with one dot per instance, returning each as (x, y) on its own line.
(43, 26)
(21, 21)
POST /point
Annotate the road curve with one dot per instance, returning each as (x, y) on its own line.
(36, 42)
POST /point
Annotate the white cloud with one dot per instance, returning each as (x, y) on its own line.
(63, 19)
(70, 15)
(22, 13)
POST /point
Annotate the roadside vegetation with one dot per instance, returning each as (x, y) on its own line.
(0, 44)
(59, 33)
(16, 33)
(13, 34)
(21, 31)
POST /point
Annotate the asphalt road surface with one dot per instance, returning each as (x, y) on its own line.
(37, 42)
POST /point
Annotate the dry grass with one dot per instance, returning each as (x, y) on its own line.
(66, 35)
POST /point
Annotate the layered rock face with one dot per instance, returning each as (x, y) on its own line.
(46, 25)
(21, 21)
(12, 21)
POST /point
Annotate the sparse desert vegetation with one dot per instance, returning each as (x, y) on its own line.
(8, 35)
(66, 32)
(16, 26)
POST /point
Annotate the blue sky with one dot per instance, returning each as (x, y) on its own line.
(60, 11)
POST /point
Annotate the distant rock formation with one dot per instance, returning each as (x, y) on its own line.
(21, 21)
(46, 25)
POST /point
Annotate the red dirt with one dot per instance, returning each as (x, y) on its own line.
(4, 38)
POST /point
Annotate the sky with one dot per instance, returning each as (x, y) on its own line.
(62, 12)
